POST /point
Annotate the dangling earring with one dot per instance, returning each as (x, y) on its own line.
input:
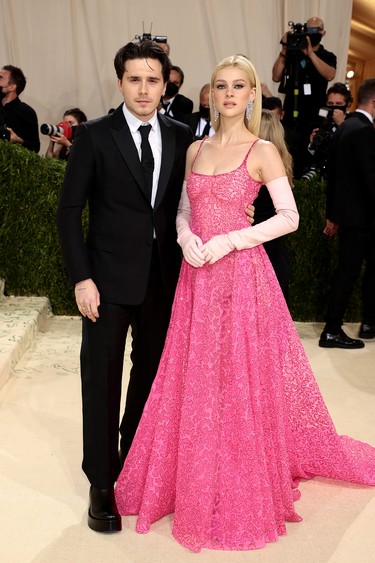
(249, 110)
(216, 112)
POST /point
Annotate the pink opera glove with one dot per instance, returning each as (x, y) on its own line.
(285, 221)
(190, 243)
(217, 247)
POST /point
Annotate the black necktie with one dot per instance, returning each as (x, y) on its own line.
(147, 159)
(206, 130)
(166, 106)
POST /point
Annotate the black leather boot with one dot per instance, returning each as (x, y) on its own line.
(103, 515)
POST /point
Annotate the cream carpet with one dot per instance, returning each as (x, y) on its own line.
(43, 492)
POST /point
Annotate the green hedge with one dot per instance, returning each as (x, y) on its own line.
(30, 260)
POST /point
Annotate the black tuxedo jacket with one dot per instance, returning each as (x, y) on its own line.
(104, 170)
(351, 173)
(193, 120)
(181, 107)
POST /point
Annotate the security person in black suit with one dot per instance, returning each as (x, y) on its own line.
(350, 211)
(129, 166)
(199, 121)
(174, 104)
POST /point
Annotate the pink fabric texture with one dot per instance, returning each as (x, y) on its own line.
(235, 418)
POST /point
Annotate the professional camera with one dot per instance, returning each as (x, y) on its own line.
(4, 133)
(149, 37)
(63, 127)
(321, 142)
(296, 38)
(322, 138)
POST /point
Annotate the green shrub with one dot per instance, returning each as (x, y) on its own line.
(30, 259)
(313, 257)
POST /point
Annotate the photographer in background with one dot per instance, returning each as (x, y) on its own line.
(18, 121)
(60, 145)
(339, 100)
(350, 213)
(304, 68)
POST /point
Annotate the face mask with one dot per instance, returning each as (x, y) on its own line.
(171, 90)
(315, 38)
(204, 112)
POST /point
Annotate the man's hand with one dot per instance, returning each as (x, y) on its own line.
(87, 299)
(330, 228)
(309, 49)
(313, 133)
(250, 210)
(14, 138)
(338, 116)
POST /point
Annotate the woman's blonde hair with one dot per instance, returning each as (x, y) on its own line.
(271, 130)
(244, 64)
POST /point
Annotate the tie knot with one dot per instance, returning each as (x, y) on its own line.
(144, 130)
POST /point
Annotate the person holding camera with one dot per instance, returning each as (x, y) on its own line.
(18, 121)
(60, 143)
(339, 100)
(303, 68)
(350, 212)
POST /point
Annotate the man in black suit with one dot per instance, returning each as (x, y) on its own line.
(200, 121)
(350, 211)
(18, 121)
(129, 166)
(174, 104)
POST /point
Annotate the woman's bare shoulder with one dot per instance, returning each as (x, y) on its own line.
(194, 148)
(263, 147)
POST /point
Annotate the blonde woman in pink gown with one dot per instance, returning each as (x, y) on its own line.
(235, 418)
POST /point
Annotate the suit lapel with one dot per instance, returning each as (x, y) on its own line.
(124, 140)
(168, 140)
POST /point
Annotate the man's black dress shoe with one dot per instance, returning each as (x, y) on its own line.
(340, 340)
(103, 515)
(366, 331)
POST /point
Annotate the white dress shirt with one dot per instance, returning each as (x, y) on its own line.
(155, 141)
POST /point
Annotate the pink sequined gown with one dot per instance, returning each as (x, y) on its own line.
(235, 417)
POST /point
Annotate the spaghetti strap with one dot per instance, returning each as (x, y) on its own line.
(248, 152)
(198, 151)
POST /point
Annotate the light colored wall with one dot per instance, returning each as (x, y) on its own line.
(66, 47)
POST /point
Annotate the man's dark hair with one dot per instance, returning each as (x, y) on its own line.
(16, 77)
(341, 88)
(271, 103)
(77, 113)
(366, 91)
(141, 50)
(180, 72)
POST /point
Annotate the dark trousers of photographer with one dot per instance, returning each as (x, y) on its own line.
(356, 246)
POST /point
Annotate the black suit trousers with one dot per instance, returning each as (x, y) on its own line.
(102, 357)
(355, 246)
